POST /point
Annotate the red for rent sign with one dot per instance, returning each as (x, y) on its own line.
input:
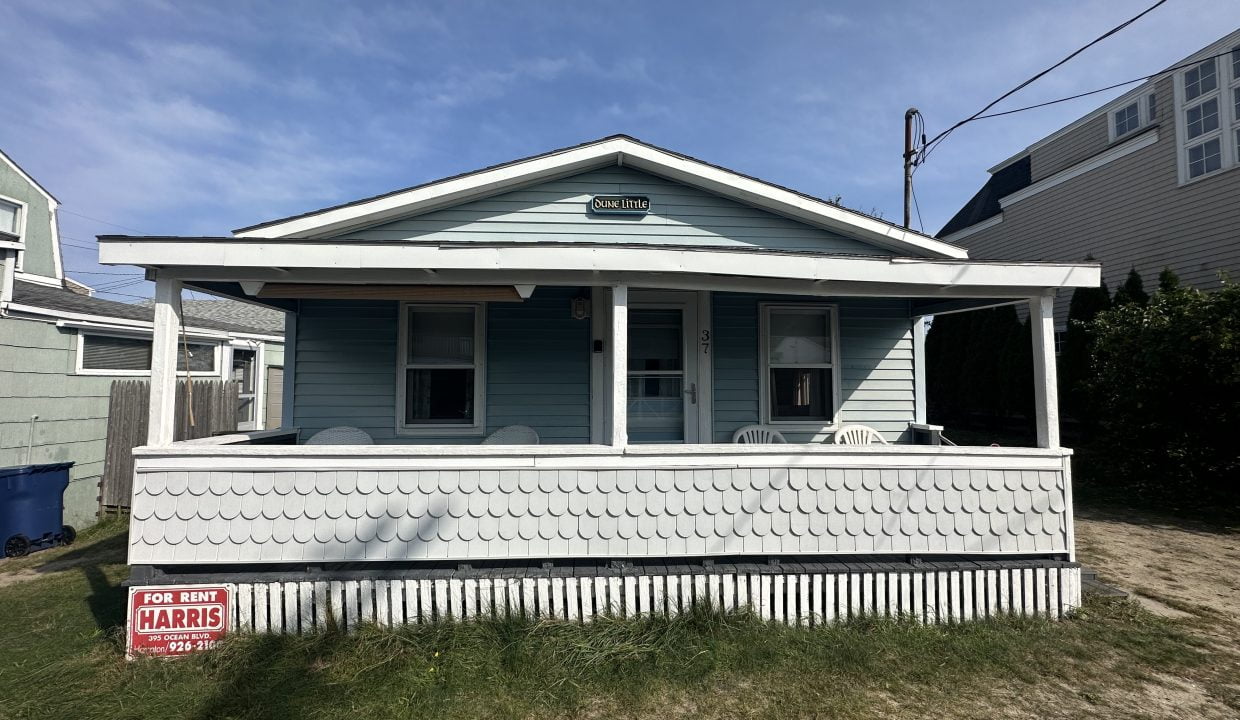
(176, 619)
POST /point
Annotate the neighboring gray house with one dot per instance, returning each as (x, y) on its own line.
(61, 348)
(1143, 182)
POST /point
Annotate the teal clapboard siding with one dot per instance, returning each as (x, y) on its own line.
(36, 378)
(346, 367)
(538, 369)
(876, 363)
(556, 211)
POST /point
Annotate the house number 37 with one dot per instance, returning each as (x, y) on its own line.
(705, 342)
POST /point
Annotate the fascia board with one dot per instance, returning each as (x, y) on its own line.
(356, 255)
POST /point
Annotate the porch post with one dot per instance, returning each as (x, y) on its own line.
(619, 365)
(161, 428)
(919, 369)
(1045, 381)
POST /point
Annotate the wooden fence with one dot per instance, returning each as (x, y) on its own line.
(214, 412)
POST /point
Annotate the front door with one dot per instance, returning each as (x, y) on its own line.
(662, 372)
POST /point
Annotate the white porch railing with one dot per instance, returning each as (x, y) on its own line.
(244, 504)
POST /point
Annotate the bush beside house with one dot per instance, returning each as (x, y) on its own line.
(1149, 387)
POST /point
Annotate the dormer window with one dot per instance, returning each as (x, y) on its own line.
(1133, 115)
(1127, 119)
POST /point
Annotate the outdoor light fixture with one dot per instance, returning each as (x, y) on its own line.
(581, 308)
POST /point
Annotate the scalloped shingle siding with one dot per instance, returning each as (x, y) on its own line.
(338, 515)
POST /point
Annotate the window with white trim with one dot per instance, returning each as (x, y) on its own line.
(1208, 115)
(10, 218)
(12, 222)
(1235, 103)
(442, 368)
(800, 383)
(129, 355)
(1127, 118)
(1133, 115)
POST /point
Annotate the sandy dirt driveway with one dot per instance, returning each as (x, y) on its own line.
(1190, 566)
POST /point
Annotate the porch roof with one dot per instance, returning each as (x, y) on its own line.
(310, 260)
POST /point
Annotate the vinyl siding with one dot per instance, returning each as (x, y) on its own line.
(538, 369)
(36, 378)
(876, 364)
(556, 211)
(37, 257)
(1128, 213)
(1079, 144)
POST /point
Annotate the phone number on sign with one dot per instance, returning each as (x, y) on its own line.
(180, 646)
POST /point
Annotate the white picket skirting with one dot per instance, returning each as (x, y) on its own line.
(792, 598)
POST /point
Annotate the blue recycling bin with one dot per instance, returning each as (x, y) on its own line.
(32, 508)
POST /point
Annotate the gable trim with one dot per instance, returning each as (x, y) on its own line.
(1139, 142)
(977, 227)
(51, 199)
(621, 151)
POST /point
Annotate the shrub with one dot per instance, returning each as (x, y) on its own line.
(1165, 386)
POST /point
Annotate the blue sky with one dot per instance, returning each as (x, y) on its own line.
(187, 118)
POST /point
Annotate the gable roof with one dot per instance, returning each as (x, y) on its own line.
(231, 312)
(28, 178)
(614, 150)
(231, 316)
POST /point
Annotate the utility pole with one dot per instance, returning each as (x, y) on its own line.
(908, 166)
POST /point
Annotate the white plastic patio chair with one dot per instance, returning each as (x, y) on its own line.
(858, 435)
(513, 435)
(758, 435)
(341, 435)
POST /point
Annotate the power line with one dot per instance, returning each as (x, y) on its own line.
(108, 292)
(932, 144)
(100, 272)
(123, 227)
(917, 206)
(1108, 87)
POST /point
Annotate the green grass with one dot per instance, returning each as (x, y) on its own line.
(61, 655)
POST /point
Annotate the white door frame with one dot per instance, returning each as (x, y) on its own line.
(699, 357)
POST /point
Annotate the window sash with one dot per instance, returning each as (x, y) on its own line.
(107, 354)
(826, 370)
(1200, 80)
(475, 402)
(1127, 119)
(1203, 160)
(10, 217)
(1201, 119)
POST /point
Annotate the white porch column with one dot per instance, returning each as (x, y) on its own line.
(919, 369)
(1045, 376)
(619, 365)
(162, 418)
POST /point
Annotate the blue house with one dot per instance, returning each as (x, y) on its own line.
(608, 378)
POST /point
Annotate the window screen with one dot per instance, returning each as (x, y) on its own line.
(800, 364)
(108, 352)
(112, 352)
(441, 365)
